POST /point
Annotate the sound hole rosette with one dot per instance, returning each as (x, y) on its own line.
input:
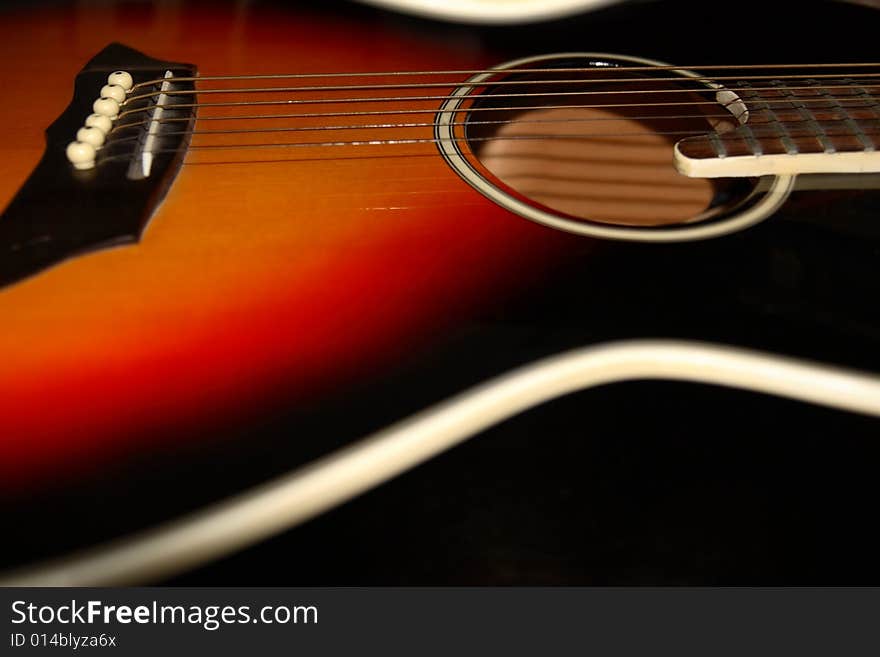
(765, 198)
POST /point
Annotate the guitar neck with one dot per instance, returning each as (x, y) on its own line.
(808, 126)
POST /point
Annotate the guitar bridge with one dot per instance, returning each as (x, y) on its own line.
(85, 196)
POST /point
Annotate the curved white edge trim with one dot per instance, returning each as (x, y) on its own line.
(266, 510)
(778, 189)
(749, 166)
(508, 11)
(492, 11)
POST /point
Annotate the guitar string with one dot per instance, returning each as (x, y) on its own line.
(493, 83)
(788, 100)
(312, 115)
(402, 99)
(423, 141)
(434, 124)
(604, 66)
(383, 142)
(426, 140)
(362, 113)
(397, 141)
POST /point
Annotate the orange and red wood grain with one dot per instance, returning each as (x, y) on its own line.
(256, 282)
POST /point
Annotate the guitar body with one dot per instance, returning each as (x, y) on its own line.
(279, 306)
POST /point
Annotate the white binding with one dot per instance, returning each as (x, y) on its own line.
(491, 11)
(278, 505)
(507, 11)
(225, 527)
(747, 166)
(773, 194)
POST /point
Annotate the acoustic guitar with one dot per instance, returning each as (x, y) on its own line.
(259, 258)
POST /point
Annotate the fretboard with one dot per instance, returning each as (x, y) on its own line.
(790, 127)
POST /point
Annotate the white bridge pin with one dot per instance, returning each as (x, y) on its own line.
(92, 136)
(81, 154)
(106, 106)
(114, 91)
(99, 121)
(122, 79)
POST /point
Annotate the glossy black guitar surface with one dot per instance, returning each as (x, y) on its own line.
(633, 483)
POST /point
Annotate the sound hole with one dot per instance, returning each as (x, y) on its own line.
(602, 156)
